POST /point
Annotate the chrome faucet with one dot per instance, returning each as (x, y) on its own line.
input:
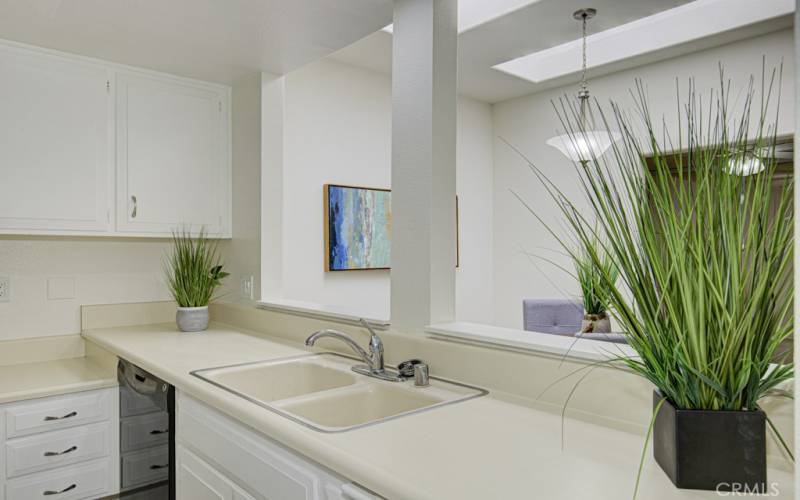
(373, 360)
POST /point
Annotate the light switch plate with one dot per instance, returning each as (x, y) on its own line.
(5, 289)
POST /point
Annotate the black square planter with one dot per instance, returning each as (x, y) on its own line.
(711, 450)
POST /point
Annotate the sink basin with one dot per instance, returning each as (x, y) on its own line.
(359, 405)
(275, 381)
(321, 391)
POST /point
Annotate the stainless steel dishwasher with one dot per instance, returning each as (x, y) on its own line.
(146, 435)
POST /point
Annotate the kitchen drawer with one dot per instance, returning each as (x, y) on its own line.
(145, 467)
(48, 414)
(88, 480)
(56, 449)
(144, 431)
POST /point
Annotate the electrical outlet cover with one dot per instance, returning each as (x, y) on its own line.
(246, 287)
(5, 289)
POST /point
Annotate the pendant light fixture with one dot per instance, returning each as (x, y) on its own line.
(583, 145)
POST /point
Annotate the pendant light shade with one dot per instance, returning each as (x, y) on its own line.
(583, 145)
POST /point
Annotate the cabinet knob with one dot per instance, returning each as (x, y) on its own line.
(135, 208)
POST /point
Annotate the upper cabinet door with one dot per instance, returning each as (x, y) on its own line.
(173, 160)
(56, 161)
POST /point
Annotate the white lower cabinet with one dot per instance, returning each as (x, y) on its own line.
(51, 450)
(219, 458)
(199, 481)
(90, 480)
(62, 447)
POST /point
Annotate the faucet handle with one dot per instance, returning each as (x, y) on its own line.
(421, 375)
(375, 342)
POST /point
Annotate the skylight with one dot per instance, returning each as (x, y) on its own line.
(694, 22)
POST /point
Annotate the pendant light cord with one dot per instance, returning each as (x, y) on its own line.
(584, 92)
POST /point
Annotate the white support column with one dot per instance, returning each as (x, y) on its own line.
(424, 98)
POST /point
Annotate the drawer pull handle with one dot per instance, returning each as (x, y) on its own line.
(155, 432)
(58, 492)
(157, 466)
(68, 415)
(135, 209)
(58, 453)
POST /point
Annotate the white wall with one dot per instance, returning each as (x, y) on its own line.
(103, 270)
(241, 254)
(337, 129)
(528, 121)
(474, 180)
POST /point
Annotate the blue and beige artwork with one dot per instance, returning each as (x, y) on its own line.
(359, 228)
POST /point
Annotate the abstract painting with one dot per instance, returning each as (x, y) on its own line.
(358, 228)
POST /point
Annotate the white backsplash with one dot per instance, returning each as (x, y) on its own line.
(50, 278)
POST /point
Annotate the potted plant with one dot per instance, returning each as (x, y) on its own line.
(699, 224)
(193, 271)
(593, 290)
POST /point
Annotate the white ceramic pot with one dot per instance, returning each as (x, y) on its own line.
(192, 319)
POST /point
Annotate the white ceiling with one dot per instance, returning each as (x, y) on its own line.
(537, 26)
(219, 40)
(215, 40)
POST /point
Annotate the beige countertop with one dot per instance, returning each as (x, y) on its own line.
(50, 378)
(484, 448)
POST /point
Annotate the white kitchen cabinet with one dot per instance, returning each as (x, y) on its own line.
(218, 457)
(199, 481)
(172, 155)
(57, 412)
(94, 148)
(60, 446)
(56, 157)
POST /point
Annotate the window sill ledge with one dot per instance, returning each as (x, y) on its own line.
(543, 343)
(319, 311)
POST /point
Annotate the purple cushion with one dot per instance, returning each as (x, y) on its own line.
(557, 316)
